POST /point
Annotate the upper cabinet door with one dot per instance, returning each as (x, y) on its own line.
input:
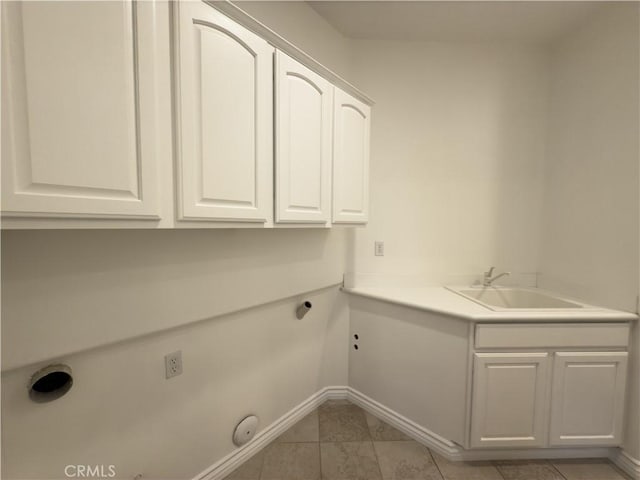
(587, 403)
(351, 127)
(303, 143)
(224, 95)
(79, 109)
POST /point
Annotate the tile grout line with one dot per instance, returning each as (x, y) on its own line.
(497, 467)
(373, 445)
(264, 456)
(435, 463)
(375, 453)
(317, 410)
(557, 470)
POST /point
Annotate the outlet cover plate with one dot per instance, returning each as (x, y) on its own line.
(173, 364)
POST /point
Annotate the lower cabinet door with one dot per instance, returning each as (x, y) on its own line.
(587, 399)
(509, 398)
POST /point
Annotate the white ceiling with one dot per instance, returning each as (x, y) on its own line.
(520, 21)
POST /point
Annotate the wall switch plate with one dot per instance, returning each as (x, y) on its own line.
(379, 249)
(173, 364)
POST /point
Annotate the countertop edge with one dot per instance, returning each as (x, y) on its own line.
(604, 315)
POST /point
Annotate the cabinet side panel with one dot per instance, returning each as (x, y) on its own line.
(413, 362)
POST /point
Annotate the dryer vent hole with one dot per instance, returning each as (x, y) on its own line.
(50, 383)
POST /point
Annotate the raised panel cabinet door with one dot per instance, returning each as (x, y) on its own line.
(80, 109)
(351, 131)
(587, 398)
(224, 124)
(509, 399)
(303, 143)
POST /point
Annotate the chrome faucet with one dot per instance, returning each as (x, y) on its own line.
(488, 279)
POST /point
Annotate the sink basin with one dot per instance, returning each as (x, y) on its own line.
(505, 298)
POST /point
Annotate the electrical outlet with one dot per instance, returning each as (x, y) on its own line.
(379, 249)
(173, 364)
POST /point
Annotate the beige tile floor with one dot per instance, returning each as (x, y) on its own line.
(340, 441)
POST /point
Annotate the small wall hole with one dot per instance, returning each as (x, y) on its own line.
(355, 346)
(50, 383)
(356, 336)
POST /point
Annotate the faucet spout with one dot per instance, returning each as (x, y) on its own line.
(489, 279)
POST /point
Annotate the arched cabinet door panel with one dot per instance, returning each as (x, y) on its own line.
(79, 109)
(224, 125)
(351, 127)
(303, 143)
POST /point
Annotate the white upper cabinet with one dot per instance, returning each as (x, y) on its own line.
(351, 127)
(224, 95)
(79, 109)
(587, 403)
(131, 114)
(303, 143)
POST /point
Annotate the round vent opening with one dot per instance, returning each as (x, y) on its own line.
(50, 383)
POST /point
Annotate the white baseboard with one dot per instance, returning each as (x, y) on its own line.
(228, 464)
(444, 447)
(422, 435)
(626, 463)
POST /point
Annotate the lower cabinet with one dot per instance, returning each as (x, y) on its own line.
(509, 394)
(520, 400)
(587, 399)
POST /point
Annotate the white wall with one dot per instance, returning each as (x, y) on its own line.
(113, 303)
(67, 291)
(307, 30)
(457, 156)
(122, 411)
(590, 235)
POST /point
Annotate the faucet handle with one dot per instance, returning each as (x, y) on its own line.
(490, 272)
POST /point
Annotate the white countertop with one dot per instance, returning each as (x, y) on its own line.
(440, 300)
